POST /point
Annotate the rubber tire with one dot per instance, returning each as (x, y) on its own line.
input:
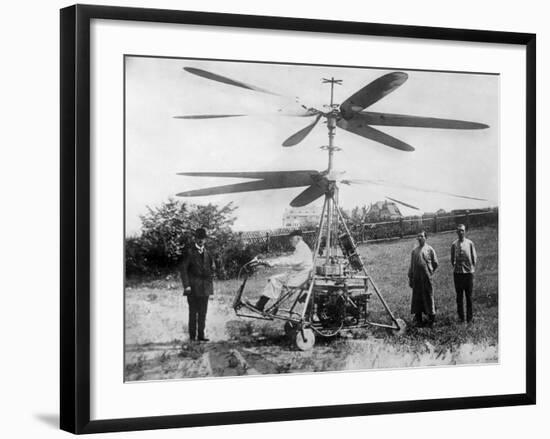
(304, 339)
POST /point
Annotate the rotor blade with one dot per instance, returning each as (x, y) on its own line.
(402, 120)
(267, 180)
(412, 188)
(300, 135)
(306, 175)
(226, 80)
(284, 112)
(360, 128)
(403, 203)
(372, 93)
(309, 195)
(301, 111)
(248, 186)
(208, 116)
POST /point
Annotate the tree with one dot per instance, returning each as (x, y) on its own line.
(355, 218)
(168, 228)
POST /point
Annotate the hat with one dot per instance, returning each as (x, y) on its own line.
(295, 233)
(200, 233)
(461, 227)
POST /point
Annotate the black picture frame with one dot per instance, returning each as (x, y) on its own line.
(75, 217)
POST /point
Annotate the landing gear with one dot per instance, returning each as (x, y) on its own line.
(304, 338)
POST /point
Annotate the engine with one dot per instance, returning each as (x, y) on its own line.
(336, 308)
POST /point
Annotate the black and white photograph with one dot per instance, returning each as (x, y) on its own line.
(275, 219)
(294, 218)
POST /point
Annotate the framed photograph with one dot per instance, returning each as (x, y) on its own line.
(304, 218)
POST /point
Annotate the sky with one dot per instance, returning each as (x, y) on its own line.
(158, 146)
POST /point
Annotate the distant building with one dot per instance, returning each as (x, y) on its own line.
(383, 211)
(441, 212)
(302, 216)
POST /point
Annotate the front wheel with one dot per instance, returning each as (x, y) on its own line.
(304, 339)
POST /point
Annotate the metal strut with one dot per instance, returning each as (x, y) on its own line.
(376, 290)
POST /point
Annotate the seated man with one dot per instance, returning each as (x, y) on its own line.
(300, 263)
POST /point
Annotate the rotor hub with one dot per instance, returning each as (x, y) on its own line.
(331, 148)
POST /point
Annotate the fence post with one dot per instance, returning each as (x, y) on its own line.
(435, 223)
(467, 220)
(267, 242)
(401, 230)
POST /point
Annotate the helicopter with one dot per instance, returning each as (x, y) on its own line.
(338, 293)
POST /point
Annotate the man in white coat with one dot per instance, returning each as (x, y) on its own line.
(300, 263)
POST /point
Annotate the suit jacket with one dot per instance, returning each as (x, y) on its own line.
(463, 256)
(197, 271)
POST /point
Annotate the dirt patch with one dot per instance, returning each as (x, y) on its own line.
(241, 347)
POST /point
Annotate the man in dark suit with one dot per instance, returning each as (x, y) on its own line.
(197, 273)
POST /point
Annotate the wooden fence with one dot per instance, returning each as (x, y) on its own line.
(276, 241)
(432, 224)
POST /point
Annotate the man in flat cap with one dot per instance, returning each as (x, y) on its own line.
(197, 273)
(463, 260)
(300, 263)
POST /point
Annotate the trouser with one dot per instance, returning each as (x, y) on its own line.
(464, 285)
(198, 306)
(275, 284)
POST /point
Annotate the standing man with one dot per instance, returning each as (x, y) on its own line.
(300, 263)
(464, 260)
(421, 269)
(197, 273)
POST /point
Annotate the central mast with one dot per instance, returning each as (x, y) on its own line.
(329, 198)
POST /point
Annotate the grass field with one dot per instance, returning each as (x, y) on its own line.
(156, 318)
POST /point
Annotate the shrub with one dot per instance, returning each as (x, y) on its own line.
(168, 228)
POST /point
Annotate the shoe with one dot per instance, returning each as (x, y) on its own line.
(260, 304)
(431, 321)
(203, 339)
